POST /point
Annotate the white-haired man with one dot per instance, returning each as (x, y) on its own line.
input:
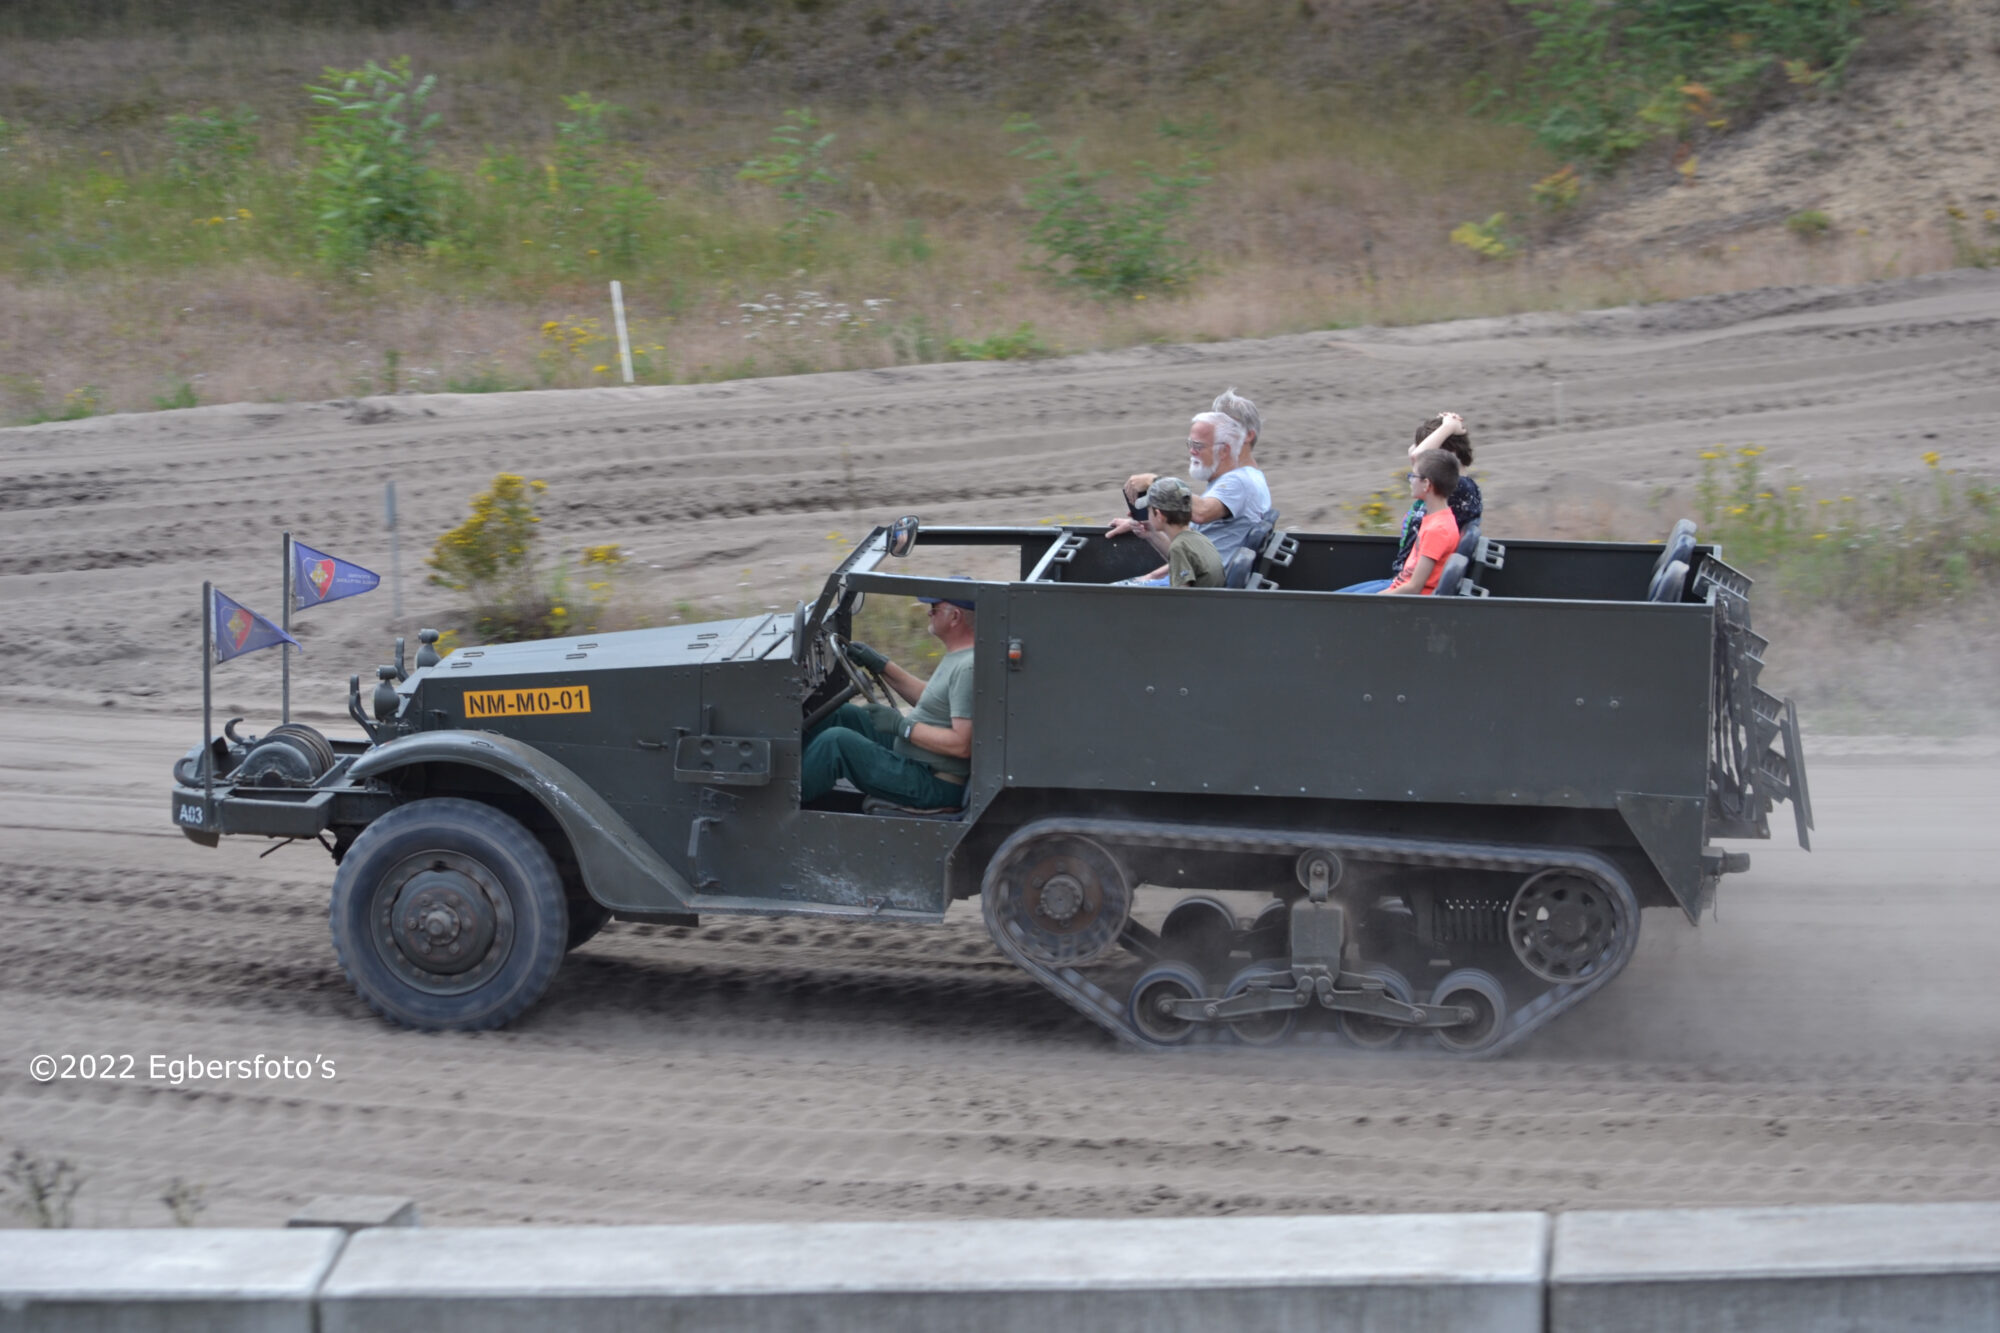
(1237, 496)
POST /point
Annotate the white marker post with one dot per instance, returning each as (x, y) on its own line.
(395, 552)
(618, 318)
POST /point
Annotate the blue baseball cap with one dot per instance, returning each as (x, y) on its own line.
(962, 603)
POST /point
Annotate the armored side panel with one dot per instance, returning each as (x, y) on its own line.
(1528, 705)
(692, 738)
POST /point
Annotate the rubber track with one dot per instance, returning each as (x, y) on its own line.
(1098, 1004)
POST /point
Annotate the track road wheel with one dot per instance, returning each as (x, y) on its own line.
(1482, 993)
(1270, 935)
(1564, 927)
(1201, 931)
(1157, 987)
(1367, 1031)
(1066, 898)
(448, 914)
(1273, 1025)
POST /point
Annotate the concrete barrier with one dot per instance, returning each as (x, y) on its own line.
(165, 1281)
(1831, 1270)
(1879, 1268)
(1468, 1271)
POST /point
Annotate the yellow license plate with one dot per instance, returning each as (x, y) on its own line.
(526, 703)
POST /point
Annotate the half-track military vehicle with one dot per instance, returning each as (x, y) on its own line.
(1376, 818)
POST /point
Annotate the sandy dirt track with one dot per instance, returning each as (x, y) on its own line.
(1831, 1037)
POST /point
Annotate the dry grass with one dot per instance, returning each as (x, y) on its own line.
(1326, 209)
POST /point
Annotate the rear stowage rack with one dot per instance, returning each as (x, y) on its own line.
(1746, 772)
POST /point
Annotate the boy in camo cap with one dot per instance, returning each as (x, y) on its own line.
(1192, 560)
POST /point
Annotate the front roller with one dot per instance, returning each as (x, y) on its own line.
(449, 914)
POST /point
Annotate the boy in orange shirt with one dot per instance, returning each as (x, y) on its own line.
(1433, 477)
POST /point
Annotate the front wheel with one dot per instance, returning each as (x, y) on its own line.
(449, 914)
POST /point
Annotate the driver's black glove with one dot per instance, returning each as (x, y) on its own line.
(867, 658)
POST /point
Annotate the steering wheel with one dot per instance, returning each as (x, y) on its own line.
(870, 684)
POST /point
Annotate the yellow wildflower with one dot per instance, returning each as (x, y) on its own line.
(1709, 455)
(1931, 458)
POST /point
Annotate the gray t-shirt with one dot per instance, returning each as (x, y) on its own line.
(1193, 563)
(1247, 496)
(946, 696)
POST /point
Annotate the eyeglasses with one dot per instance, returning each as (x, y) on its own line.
(1414, 476)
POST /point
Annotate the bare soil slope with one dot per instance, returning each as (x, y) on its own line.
(1900, 153)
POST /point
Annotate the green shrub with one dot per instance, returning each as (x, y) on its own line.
(797, 169)
(1877, 559)
(1809, 224)
(1023, 344)
(1489, 239)
(1607, 76)
(77, 404)
(596, 211)
(495, 555)
(210, 151)
(1108, 247)
(1558, 191)
(370, 184)
(482, 379)
(180, 395)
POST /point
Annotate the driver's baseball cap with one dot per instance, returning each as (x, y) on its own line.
(962, 603)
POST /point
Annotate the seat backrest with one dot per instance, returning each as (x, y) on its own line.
(1669, 583)
(1260, 534)
(1236, 571)
(1679, 545)
(1468, 539)
(1454, 573)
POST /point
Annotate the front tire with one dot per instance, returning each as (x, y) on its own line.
(449, 914)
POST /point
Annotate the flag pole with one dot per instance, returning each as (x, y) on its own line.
(285, 649)
(207, 720)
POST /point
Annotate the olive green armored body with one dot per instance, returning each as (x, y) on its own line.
(1369, 818)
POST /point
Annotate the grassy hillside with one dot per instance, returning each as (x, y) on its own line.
(795, 185)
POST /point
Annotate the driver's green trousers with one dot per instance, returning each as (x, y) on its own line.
(856, 743)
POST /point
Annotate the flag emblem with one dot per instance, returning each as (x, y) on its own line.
(240, 630)
(318, 577)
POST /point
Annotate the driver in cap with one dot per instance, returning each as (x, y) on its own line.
(920, 761)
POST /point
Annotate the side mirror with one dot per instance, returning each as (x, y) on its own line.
(902, 535)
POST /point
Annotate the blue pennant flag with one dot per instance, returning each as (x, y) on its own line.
(239, 630)
(318, 577)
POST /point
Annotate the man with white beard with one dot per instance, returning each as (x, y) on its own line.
(1237, 496)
